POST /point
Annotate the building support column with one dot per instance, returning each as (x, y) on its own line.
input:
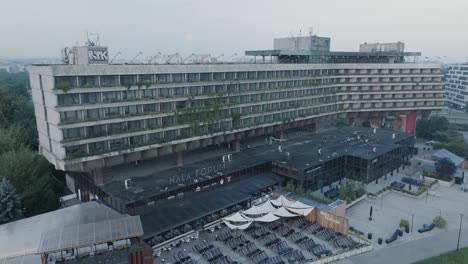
(98, 177)
(179, 159)
(396, 123)
(410, 126)
(236, 146)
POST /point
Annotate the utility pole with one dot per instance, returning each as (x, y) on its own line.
(459, 231)
(412, 218)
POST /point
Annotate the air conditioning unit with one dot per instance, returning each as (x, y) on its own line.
(128, 184)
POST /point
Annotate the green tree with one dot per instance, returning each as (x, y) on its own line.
(10, 203)
(428, 127)
(445, 167)
(30, 175)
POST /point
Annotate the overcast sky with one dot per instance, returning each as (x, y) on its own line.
(41, 28)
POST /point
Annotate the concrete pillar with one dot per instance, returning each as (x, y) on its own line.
(396, 123)
(410, 126)
(179, 159)
(237, 145)
(98, 177)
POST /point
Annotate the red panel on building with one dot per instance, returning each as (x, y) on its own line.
(411, 123)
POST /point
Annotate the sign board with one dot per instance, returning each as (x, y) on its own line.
(192, 176)
(97, 55)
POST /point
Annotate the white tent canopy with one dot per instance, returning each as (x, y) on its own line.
(282, 212)
(300, 208)
(301, 211)
(264, 208)
(281, 201)
(237, 217)
(299, 205)
(266, 218)
(240, 227)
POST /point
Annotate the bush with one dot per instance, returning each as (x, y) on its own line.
(404, 223)
(65, 87)
(440, 222)
(445, 167)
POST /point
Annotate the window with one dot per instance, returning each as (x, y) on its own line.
(120, 143)
(127, 80)
(109, 80)
(88, 81)
(72, 133)
(90, 98)
(68, 99)
(149, 108)
(92, 113)
(96, 131)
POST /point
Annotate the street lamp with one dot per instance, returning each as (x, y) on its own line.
(459, 231)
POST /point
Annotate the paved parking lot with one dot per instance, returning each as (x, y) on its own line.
(448, 202)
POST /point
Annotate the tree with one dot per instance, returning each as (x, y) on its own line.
(10, 203)
(445, 167)
(30, 175)
(428, 127)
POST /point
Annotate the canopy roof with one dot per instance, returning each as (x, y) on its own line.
(264, 208)
(299, 205)
(301, 211)
(237, 217)
(240, 227)
(282, 212)
(90, 234)
(281, 201)
(266, 218)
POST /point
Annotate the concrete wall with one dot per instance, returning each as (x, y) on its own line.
(382, 47)
(302, 43)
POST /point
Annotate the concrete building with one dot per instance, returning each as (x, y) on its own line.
(456, 86)
(382, 47)
(92, 116)
(302, 43)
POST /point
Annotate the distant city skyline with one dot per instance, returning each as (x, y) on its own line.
(42, 28)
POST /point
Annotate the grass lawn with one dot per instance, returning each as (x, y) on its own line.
(452, 257)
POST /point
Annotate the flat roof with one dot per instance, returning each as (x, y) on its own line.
(22, 237)
(148, 180)
(81, 235)
(177, 212)
(328, 53)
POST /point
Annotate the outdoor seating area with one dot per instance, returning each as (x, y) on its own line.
(412, 181)
(276, 231)
(182, 257)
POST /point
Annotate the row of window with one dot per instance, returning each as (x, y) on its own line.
(187, 132)
(129, 95)
(221, 102)
(144, 79)
(169, 135)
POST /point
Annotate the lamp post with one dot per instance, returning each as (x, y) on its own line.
(412, 218)
(459, 231)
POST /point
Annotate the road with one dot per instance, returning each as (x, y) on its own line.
(412, 251)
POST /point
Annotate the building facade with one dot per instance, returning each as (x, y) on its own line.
(94, 116)
(456, 86)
